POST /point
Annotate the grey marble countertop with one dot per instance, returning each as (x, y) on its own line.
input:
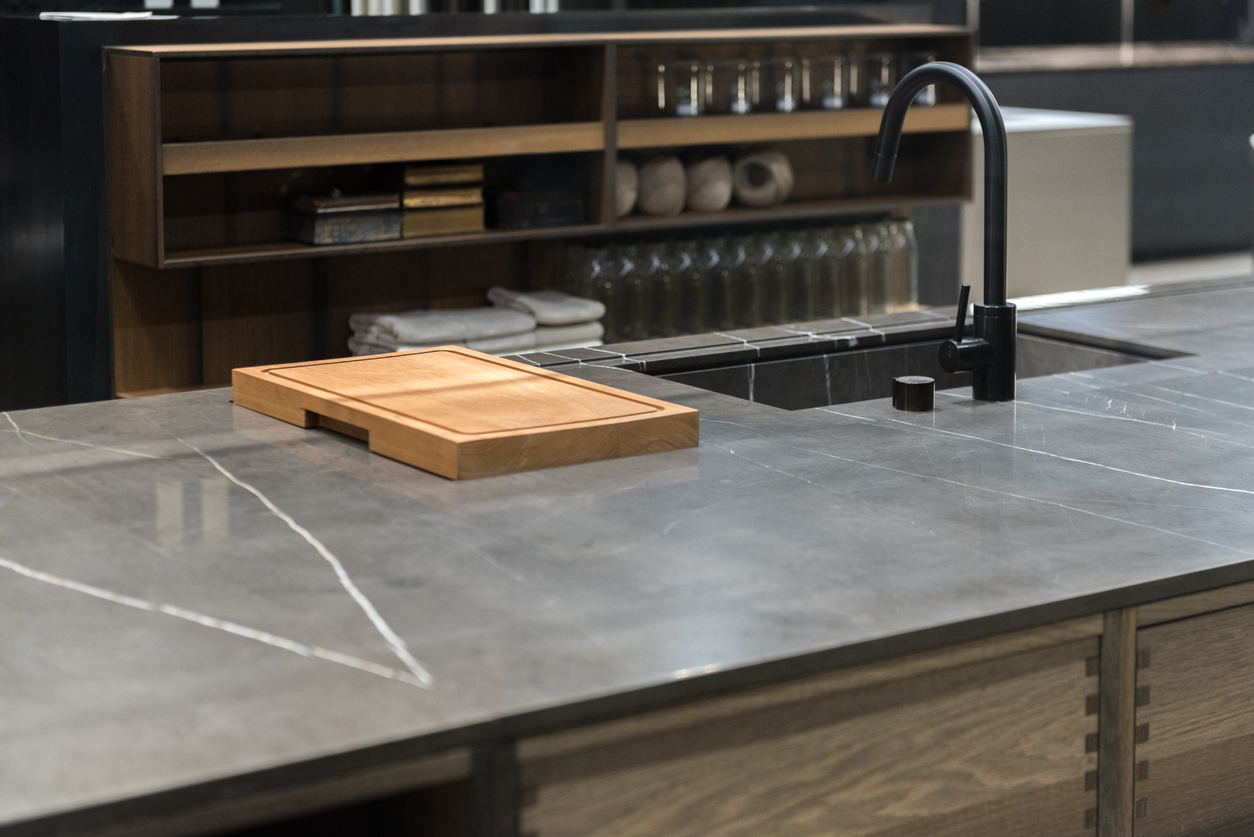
(191, 592)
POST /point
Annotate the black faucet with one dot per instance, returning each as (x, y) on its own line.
(990, 354)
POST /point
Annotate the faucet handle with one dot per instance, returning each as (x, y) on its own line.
(961, 325)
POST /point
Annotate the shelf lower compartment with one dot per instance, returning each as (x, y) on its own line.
(765, 127)
(392, 147)
(270, 251)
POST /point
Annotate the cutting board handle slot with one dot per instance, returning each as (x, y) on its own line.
(313, 419)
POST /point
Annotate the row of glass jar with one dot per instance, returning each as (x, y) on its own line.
(782, 85)
(668, 287)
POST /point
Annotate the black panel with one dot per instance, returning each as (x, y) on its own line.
(1034, 22)
(32, 330)
(1192, 183)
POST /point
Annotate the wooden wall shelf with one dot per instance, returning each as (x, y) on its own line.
(768, 127)
(208, 144)
(242, 253)
(391, 147)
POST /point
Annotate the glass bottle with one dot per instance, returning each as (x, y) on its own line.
(772, 278)
(633, 292)
(902, 266)
(851, 248)
(716, 262)
(879, 252)
(746, 289)
(602, 285)
(662, 303)
(693, 286)
(823, 264)
(802, 288)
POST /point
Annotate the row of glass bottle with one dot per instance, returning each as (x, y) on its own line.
(667, 287)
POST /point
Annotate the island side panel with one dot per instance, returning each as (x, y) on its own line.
(996, 747)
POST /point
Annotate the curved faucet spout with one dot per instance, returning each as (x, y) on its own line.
(994, 128)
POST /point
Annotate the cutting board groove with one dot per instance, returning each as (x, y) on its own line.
(464, 414)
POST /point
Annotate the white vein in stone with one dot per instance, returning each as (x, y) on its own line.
(1077, 461)
(994, 491)
(217, 624)
(394, 641)
(22, 434)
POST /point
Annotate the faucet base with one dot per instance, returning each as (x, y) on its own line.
(999, 325)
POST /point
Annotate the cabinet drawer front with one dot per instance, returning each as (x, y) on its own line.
(999, 747)
(1195, 726)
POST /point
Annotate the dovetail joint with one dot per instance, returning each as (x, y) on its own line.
(1092, 666)
(1090, 818)
(1090, 742)
(1142, 695)
(1090, 780)
(1143, 659)
(1142, 733)
(1142, 770)
(1091, 704)
(1142, 805)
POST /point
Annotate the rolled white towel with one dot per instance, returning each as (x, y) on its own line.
(549, 308)
(663, 187)
(437, 327)
(709, 185)
(763, 179)
(627, 186)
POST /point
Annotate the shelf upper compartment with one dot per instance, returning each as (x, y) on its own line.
(391, 147)
(765, 127)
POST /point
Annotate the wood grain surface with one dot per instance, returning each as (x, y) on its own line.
(363, 46)
(991, 747)
(464, 414)
(390, 147)
(764, 127)
(1195, 726)
(1116, 720)
(1195, 604)
(133, 157)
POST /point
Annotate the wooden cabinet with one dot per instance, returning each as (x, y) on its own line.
(993, 738)
(1194, 774)
(208, 144)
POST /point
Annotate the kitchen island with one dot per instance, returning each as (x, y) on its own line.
(839, 620)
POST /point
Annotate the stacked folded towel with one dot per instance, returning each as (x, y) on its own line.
(519, 322)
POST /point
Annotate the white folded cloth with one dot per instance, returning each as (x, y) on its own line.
(569, 335)
(550, 308)
(441, 326)
(368, 344)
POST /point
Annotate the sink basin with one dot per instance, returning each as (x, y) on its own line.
(823, 380)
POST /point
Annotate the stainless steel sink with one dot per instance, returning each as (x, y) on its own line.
(800, 383)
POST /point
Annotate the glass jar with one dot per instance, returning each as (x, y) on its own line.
(784, 83)
(633, 292)
(603, 286)
(733, 87)
(679, 88)
(746, 289)
(914, 60)
(825, 82)
(772, 278)
(881, 78)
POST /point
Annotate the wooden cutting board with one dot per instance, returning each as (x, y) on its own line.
(464, 414)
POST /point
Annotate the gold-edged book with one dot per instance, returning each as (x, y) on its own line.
(431, 198)
(458, 219)
(419, 176)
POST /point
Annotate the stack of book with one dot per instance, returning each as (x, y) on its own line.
(343, 220)
(443, 200)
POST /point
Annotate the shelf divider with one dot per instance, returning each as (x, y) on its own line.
(391, 147)
(763, 127)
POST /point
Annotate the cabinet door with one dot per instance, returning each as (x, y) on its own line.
(1002, 746)
(1195, 726)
